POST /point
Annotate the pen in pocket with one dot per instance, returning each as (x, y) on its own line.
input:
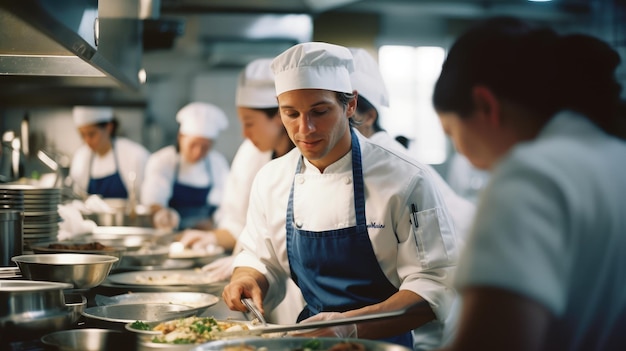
(414, 215)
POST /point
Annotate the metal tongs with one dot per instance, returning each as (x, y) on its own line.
(321, 324)
(255, 310)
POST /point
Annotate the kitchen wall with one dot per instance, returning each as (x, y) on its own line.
(185, 73)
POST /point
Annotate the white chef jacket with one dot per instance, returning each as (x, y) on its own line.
(131, 157)
(248, 160)
(461, 209)
(326, 201)
(551, 226)
(161, 170)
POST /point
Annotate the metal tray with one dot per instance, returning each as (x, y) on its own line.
(165, 277)
(191, 299)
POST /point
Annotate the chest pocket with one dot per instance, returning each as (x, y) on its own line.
(434, 237)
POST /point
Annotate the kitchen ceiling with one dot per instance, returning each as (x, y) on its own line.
(441, 8)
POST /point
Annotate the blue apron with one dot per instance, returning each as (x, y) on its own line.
(110, 186)
(191, 202)
(337, 270)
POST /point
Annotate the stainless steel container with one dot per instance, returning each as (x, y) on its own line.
(84, 271)
(90, 339)
(29, 308)
(11, 235)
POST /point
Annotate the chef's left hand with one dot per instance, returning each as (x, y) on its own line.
(340, 331)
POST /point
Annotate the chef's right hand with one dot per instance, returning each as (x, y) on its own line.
(166, 218)
(243, 284)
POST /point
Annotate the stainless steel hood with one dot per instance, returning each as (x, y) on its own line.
(69, 43)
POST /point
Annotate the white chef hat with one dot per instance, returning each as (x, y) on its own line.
(313, 65)
(86, 115)
(255, 88)
(368, 81)
(201, 119)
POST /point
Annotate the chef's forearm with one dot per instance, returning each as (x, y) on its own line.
(419, 314)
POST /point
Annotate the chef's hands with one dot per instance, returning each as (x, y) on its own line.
(197, 239)
(340, 331)
(166, 218)
(220, 269)
(245, 282)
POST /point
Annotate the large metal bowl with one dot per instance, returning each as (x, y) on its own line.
(78, 247)
(90, 339)
(83, 271)
(147, 255)
(30, 308)
(286, 344)
(133, 238)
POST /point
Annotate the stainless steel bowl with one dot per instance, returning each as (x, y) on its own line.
(90, 339)
(297, 343)
(83, 271)
(147, 255)
(31, 308)
(133, 238)
(43, 248)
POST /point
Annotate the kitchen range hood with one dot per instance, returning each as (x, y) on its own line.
(48, 44)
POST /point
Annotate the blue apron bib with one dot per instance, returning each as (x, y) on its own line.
(191, 202)
(110, 186)
(337, 270)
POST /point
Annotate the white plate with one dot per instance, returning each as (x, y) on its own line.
(210, 251)
(191, 299)
(164, 277)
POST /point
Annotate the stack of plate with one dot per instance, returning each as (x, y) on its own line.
(41, 215)
(11, 199)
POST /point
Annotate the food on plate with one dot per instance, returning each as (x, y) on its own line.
(194, 330)
(93, 246)
(139, 325)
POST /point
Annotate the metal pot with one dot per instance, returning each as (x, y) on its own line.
(31, 308)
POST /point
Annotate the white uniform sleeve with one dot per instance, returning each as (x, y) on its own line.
(231, 214)
(220, 170)
(428, 250)
(159, 177)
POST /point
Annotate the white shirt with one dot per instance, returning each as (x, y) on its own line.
(161, 172)
(551, 226)
(326, 201)
(248, 160)
(131, 157)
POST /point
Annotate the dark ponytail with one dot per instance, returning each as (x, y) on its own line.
(534, 67)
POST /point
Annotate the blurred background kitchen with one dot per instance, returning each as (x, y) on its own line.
(148, 58)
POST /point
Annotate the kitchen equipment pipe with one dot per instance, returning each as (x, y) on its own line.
(11, 235)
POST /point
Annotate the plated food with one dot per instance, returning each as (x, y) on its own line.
(190, 330)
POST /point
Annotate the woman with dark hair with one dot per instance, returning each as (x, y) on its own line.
(105, 165)
(543, 268)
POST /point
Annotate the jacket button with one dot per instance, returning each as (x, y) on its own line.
(300, 180)
(299, 224)
(348, 180)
